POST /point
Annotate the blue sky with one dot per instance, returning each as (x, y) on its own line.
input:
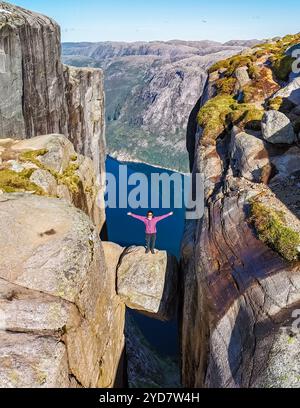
(132, 20)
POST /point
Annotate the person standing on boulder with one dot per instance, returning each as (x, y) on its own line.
(150, 223)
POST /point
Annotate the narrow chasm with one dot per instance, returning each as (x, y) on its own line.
(151, 338)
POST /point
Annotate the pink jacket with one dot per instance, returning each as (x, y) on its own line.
(151, 224)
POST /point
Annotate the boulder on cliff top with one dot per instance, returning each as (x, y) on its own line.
(58, 318)
(277, 128)
(49, 165)
(249, 156)
(148, 283)
(291, 92)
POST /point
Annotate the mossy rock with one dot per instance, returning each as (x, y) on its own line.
(226, 86)
(271, 229)
(213, 115)
(247, 116)
(275, 103)
(261, 88)
(282, 67)
(69, 177)
(222, 112)
(231, 64)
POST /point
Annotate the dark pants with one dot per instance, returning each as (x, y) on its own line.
(150, 241)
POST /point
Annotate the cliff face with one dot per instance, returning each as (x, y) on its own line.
(61, 321)
(39, 95)
(241, 261)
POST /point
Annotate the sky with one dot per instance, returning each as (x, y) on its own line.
(133, 20)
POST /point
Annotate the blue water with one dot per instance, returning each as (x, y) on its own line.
(127, 231)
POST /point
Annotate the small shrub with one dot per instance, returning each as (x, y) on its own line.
(69, 177)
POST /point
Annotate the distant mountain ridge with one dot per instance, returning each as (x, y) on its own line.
(151, 88)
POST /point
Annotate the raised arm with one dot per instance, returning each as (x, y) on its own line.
(162, 217)
(138, 217)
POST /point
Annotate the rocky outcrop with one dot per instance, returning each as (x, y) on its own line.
(240, 262)
(48, 165)
(86, 122)
(39, 95)
(148, 283)
(277, 128)
(52, 263)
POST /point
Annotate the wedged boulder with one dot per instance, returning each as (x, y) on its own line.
(249, 157)
(58, 317)
(49, 165)
(277, 128)
(291, 92)
(148, 283)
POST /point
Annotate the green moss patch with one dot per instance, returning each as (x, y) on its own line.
(69, 178)
(282, 66)
(271, 229)
(13, 182)
(32, 156)
(212, 116)
(247, 116)
(226, 86)
(223, 111)
(230, 65)
(275, 103)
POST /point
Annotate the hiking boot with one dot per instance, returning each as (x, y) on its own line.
(153, 252)
(147, 251)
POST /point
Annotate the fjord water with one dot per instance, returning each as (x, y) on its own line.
(126, 231)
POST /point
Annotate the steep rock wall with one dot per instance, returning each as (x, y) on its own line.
(240, 284)
(41, 96)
